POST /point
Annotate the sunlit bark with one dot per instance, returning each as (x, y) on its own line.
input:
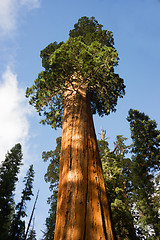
(82, 208)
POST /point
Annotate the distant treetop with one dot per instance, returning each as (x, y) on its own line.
(91, 31)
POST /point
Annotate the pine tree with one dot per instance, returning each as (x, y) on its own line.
(145, 171)
(78, 80)
(18, 224)
(116, 167)
(9, 170)
(52, 176)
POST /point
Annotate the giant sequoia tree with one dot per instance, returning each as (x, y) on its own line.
(78, 80)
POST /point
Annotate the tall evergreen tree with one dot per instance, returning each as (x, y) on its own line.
(78, 80)
(18, 224)
(116, 167)
(52, 176)
(145, 166)
(9, 170)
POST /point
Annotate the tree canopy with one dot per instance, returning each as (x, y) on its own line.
(87, 57)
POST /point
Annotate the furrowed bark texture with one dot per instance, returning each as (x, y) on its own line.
(83, 211)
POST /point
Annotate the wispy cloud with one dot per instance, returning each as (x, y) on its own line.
(9, 13)
(14, 109)
(31, 4)
(8, 16)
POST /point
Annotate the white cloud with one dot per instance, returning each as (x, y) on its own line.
(9, 13)
(14, 110)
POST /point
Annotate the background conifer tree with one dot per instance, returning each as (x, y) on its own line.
(145, 172)
(9, 170)
(116, 168)
(18, 224)
(52, 176)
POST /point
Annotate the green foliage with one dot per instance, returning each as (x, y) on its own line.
(28, 180)
(54, 156)
(8, 176)
(18, 224)
(45, 54)
(116, 168)
(11, 224)
(145, 172)
(146, 139)
(89, 55)
(52, 176)
(92, 31)
(51, 219)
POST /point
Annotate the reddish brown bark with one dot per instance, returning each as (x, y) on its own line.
(83, 212)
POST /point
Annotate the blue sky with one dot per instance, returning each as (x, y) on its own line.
(27, 27)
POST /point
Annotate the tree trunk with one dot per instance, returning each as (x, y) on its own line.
(83, 212)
